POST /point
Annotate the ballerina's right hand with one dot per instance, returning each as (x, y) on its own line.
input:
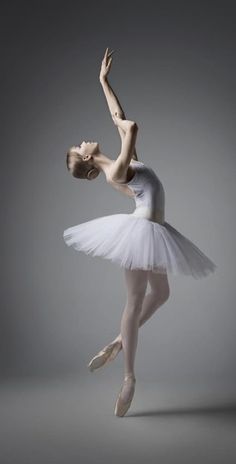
(106, 64)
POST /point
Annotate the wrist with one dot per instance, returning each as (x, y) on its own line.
(103, 80)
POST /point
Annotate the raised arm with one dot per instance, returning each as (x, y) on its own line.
(122, 162)
(112, 100)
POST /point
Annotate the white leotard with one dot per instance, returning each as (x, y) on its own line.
(149, 193)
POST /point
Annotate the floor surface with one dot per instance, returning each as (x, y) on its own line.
(72, 421)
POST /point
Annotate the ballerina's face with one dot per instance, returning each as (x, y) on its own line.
(87, 148)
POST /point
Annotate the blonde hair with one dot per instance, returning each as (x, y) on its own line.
(79, 168)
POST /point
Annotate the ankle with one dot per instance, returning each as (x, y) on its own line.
(129, 375)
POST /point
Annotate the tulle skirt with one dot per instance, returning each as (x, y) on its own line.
(139, 243)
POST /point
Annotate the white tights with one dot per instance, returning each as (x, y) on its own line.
(139, 308)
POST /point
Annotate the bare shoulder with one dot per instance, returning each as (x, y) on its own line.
(118, 173)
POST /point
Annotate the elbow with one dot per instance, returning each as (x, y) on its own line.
(134, 126)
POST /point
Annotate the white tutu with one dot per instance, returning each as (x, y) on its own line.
(139, 243)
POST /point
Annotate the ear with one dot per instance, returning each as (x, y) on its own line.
(92, 173)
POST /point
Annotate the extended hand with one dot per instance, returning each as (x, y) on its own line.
(106, 64)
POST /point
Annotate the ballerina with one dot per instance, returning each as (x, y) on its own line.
(142, 243)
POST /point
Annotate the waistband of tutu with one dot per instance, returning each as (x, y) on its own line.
(146, 212)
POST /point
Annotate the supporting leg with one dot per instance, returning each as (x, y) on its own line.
(136, 283)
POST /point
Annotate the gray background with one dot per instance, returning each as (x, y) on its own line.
(174, 73)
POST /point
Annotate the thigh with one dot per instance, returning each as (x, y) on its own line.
(159, 283)
(136, 283)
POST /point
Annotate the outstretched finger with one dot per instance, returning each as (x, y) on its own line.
(109, 62)
(110, 53)
(106, 53)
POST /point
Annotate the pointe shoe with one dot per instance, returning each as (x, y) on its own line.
(105, 355)
(122, 407)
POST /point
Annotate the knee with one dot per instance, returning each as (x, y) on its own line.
(135, 305)
(166, 294)
(162, 293)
